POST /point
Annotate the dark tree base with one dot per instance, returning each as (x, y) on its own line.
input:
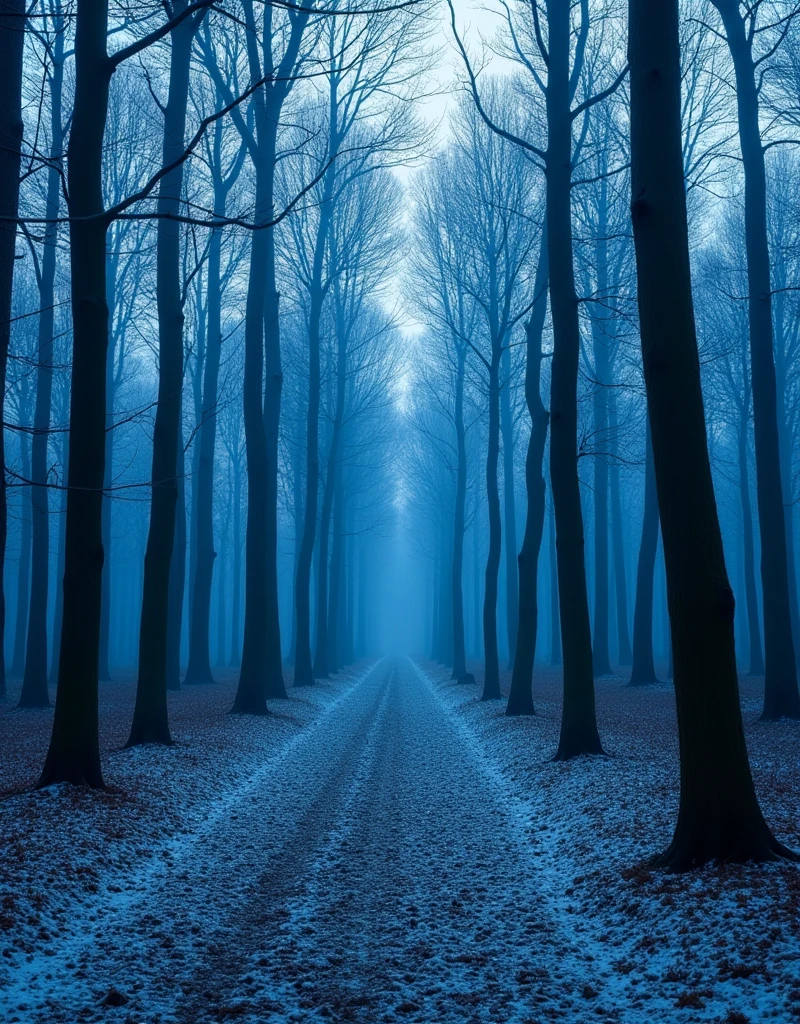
(275, 689)
(577, 745)
(250, 707)
(142, 736)
(694, 847)
(33, 700)
(643, 680)
(467, 679)
(783, 704)
(194, 677)
(518, 708)
(76, 772)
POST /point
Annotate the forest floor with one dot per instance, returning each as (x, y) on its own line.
(385, 848)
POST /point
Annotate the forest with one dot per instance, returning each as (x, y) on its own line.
(398, 548)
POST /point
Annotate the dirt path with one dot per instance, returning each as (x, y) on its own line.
(375, 870)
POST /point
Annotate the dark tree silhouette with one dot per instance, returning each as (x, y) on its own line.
(719, 816)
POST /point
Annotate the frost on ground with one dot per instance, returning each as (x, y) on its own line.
(384, 848)
(720, 944)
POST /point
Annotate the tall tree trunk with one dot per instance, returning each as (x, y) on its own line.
(555, 617)
(104, 668)
(177, 578)
(236, 582)
(150, 721)
(600, 340)
(24, 567)
(624, 653)
(303, 668)
(459, 525)
(491, 671)
(221, 601)
(274, 686)
(348, 641)
(520, 697)
(251, 691)
(719, 816)
(12, 39)
(74, 752)
(58, 611)
(644, 670)
(335, 602)
(476, 588)
(322, 663)
(751, 596)
(34, 683)
(510, 509)
(578, 722)
(781, 694)
(198, 669)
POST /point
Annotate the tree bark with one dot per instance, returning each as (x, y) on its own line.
(643, 669)
(322, 664)
(74, 752)
(491, 671)
(150, 720)
(578, 723)
(34, 683)
(555, 618)
(24, 565)
(719, 816)
(781, 694)
(459, 526)
(12, 38)
(624, 653)
(303, 668)
(509, 509)
(198, 669)
(520, 697)
(756, 667)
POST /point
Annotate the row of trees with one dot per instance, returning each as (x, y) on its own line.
(532, 260)
(205, 161)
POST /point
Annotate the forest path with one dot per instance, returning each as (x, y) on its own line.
(378, 871)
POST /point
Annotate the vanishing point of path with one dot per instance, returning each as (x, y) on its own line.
(375, 870)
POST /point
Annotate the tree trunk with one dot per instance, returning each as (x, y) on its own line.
(459, 526)
(12, 39)
(303, 668)
(223, 568)
(150, 721)
(335, 603)
(322, 663)
(177, 579)
(251, 691)
(555, 617)
(781, 694)
(491, 672)
(24, 568)
(578, 723)
(104, 668)
(520, 697)
(600, 341)
(510, 510)
(198, 669)
(644, 670)
(719, 816)
(34, 683)
(624, 653)
(58, 611)
(236, 582)
(751, 597)
(74, 752)
(274, 685)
